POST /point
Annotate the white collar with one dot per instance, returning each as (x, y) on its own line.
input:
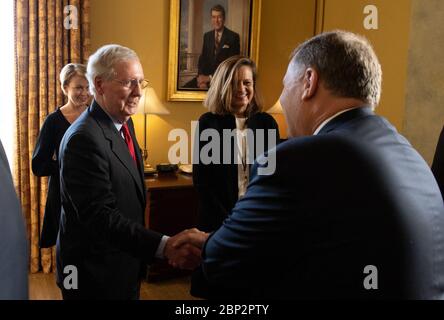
(116, 123)
(319, 128)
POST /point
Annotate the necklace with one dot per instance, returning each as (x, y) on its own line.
(242, 149)
(244, 153)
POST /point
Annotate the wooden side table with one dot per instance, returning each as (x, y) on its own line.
(171, 207)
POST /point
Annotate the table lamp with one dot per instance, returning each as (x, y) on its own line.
(149, 104)
(276, 108)
(278, 114)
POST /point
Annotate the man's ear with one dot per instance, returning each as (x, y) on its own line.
(311, 82)
(98, 84)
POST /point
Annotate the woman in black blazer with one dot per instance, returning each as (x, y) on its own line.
(234, 103)
(46, 153)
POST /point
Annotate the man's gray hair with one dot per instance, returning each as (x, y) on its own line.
(101, 63)
(346, 63)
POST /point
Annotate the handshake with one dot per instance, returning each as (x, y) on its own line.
(184, 250)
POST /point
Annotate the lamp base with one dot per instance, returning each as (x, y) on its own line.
(148, 169)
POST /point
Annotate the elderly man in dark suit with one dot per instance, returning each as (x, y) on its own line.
(13, 246)
(352, 210)
(103, 247)
(218, 45)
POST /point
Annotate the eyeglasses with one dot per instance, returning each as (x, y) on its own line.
(132, 83)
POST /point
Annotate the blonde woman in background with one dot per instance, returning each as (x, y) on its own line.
(45, 158)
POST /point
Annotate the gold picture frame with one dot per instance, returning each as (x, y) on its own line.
(183, 60)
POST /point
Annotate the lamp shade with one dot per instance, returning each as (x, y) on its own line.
(150, 103)
(276, 109)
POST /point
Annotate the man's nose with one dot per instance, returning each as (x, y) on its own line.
(137, 90)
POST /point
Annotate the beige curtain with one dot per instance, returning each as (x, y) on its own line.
(45, 40)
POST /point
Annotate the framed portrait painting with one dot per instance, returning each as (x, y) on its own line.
(203, 33)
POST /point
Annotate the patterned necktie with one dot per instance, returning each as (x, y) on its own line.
(129, 142)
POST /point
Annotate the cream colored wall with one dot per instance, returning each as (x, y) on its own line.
(424, 116)
(412, 105)
(390, 41)
(284, 24)
(143, 26)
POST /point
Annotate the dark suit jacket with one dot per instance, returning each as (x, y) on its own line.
(438, 162)
(229, 46)
(355, 195)
(217, 184)
(103, 201)
(13, 243)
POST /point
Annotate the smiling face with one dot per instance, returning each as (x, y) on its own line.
(217, 20)
(118, 100)
(243, 93)
(77, 91)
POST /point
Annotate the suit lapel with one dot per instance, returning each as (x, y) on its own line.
(118, 145)
(138, 156)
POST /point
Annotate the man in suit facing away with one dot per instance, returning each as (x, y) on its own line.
(103, 247)
(13, 246)
(351, 211)
(218, 45)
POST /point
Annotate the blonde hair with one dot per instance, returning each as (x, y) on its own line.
(69, 71)
(224, 84)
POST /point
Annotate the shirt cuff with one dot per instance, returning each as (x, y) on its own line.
(161, 247)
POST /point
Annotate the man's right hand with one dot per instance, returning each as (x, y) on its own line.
(184, 249)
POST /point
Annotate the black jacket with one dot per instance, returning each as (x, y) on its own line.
(438, 162)
(217, 184)
(102, 229)
(229, 46)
